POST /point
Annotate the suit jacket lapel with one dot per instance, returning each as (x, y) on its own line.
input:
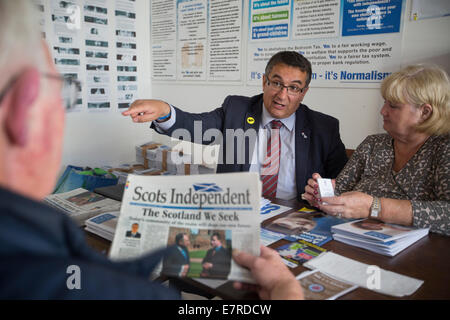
(302, 141)
(252, 121)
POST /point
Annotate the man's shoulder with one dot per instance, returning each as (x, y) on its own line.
(317, 118)
(236, 102)
(38, 227)
(27, 210)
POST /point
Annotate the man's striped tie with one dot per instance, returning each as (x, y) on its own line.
(271, 165)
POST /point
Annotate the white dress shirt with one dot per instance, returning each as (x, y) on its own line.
(286, 186)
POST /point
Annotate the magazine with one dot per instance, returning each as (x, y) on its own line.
(304, 224)
(298, 252)
(81, 204)
(318, 286)
(201, 218)
(378, 236)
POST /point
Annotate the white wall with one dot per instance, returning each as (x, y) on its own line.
(357, 109)
(108, 138)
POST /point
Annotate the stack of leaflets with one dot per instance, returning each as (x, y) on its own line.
(377, 236)
(81, 204)
(103, 225)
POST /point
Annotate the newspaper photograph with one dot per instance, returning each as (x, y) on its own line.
(81, 204)
(201, 218)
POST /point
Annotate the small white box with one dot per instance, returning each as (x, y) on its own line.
(325, 188)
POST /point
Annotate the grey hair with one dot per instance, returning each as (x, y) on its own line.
(20, 37)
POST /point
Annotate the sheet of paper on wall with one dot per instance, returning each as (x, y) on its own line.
(66, 42)
(424, 9)
(127, 56)
(41, 10)
(319, 286)
(97, 32)
(364, 275)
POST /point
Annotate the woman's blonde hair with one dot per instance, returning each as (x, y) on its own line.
(418, 85)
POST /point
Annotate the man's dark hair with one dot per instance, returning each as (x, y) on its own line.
(292, 59)
(217, 236)
(179, 237)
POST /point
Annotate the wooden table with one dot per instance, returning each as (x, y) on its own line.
(428, 260)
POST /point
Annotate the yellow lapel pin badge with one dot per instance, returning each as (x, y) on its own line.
(250, 120)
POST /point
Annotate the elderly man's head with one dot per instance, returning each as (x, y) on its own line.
(31, 111)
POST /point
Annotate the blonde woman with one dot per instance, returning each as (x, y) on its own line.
(403, 176)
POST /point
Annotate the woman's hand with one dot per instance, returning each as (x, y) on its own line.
(312, 194)
(353, 204)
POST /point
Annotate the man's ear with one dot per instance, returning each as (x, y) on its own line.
(23, 94)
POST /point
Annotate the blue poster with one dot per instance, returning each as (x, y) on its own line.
(371, 17)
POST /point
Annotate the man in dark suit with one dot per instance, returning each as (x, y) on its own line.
(309, 141)
(217, 261)
(177, 262)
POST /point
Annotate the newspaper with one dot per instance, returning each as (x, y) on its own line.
(201, 218)
(81, 204)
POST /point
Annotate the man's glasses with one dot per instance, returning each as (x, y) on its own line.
(292, 90)
(69, 91)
